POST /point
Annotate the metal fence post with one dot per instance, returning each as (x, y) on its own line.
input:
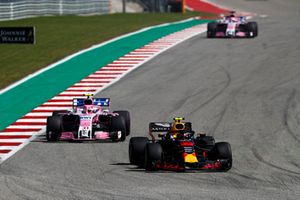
(11, 11)
(60, 7)
(124, 6)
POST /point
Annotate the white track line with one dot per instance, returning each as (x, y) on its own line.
(99, 80)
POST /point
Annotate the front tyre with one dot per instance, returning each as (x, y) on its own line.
(211, 29)
(223, 151)
(126, 115)
(53, 128)
(118, 124)
(153, 154)
(137, 146)
(252, 27)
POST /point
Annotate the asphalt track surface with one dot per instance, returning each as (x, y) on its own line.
(244, 91)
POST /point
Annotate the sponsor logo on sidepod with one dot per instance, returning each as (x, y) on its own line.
(85, 118)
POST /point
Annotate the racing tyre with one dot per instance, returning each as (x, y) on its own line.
(223, 151)
(153, 154)
(53, 128)
(126, 115)
(118, 124)
(252, 27)
(59, 112)
(211, 29)
(136, 150)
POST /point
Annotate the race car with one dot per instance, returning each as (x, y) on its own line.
(177, 148)
(89, 119)
(232, 26)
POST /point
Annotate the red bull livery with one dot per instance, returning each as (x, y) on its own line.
(179, 149)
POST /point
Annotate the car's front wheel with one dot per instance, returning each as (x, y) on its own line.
(126, 115)
(223, 151)
(137, 146)
(153, 154)
(53, 128)
(252, 28)
(211, 29)
(118, 125)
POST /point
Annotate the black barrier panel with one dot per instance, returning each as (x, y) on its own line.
(19, 35)
(175, 5)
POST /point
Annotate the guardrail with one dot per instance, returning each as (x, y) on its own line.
(162, 5)
(31, 8)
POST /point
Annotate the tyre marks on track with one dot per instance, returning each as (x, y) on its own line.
(261, 159)
(218, 93)
(286, 115)
(25, 129)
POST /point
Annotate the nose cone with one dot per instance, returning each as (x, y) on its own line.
(190, 158)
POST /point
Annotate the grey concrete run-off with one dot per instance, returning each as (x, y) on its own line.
(244, 91)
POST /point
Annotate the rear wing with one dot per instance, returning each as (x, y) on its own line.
(94, 101)
(166, 126)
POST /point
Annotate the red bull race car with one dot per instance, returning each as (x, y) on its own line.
(178, 149)
(89, 119)
(232, 27)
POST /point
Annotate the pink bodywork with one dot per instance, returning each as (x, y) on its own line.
(88, 115)
(232, 25)
(99, 135)
(220, 34)
(238, 34)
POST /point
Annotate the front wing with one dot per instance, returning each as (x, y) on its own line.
(218, 165)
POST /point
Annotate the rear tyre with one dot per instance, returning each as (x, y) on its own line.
(126, 115)
(53, 128)
(252, 27)
(211, 29)
(223, 151)
(59, 112)
(153, 154)
(118, 124)
(137, 146)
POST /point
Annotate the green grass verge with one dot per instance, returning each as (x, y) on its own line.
(60, 36)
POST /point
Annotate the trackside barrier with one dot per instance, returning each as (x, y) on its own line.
(31, 8)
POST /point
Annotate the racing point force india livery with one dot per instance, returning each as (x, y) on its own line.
(89, 119)
(178, 149)
(232, 27)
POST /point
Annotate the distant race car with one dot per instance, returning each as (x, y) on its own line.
(179, 149)
(232, 27)
(89, 119)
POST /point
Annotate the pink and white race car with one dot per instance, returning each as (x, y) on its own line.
(89, 119)
(232, 27)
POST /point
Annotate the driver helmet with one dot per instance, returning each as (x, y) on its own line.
(178, 126)
(88, 101)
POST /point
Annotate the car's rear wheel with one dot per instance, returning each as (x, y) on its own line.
(53, 128)
(153, 154)
(137, 146)
(118, 124)
(223, 151)
(59, 112)
(126, 115)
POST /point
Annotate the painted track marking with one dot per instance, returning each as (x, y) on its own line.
(20, 133)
